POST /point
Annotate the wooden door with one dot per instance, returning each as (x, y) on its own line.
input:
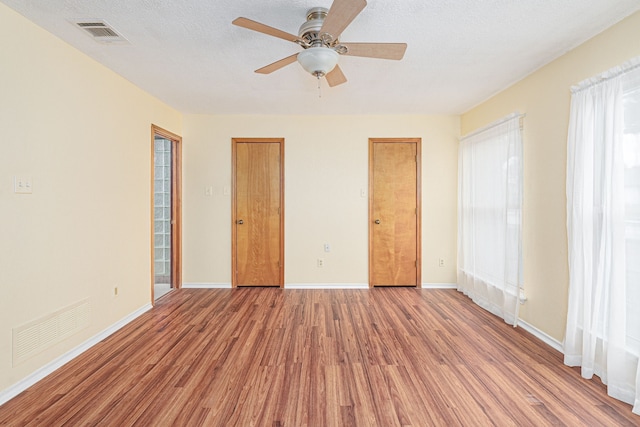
(394, 212)
(258, 214)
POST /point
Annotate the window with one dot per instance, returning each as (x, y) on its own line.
(489, 217)
(631, 106)
(603, 224)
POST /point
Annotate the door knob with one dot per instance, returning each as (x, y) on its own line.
(377, 221)
(240, 222)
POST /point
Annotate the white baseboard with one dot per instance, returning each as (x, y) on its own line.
(439, 286)
(547, 339)
(326, 286)
(47, 369)
(359, 286)
(206, 285)
(314, 286)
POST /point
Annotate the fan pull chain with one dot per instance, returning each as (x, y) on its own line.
(319, 90)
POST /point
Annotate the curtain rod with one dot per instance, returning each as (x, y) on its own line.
(494, 124)
(612, 73)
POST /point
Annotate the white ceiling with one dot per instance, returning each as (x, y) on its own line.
(460, 52)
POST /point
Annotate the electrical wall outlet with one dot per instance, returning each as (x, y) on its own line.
(441, 262)
(320, 262)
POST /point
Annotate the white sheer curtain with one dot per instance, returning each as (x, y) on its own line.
(603, 224)
(489, 217)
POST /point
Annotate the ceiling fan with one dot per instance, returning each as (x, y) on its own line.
(319, 37)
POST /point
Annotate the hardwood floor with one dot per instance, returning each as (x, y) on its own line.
(275, 357)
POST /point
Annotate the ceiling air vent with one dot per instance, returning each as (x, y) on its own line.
(101, 32)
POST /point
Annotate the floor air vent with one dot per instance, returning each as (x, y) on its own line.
(49, 330)
(101, 32)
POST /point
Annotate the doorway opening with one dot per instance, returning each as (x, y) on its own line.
(166, 209)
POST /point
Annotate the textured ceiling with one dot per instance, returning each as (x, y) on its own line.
(460, 52)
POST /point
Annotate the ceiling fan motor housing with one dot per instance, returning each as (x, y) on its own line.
(311, 27)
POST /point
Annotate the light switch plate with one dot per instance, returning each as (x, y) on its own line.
(22, 185)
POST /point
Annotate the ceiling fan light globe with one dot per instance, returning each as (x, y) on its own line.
(318, 61)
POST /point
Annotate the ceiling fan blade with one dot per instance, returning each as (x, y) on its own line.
(340, 15)
(265, 29)
(335, 77)
(376, 50)
(277, 65)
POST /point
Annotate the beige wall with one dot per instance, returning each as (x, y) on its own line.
(544, 96)
(83, 134)
(326, 167)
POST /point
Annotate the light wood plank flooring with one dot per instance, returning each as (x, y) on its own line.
(274, 357)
